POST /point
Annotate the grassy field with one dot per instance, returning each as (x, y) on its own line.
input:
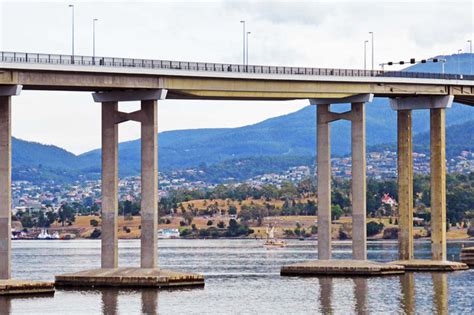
(83, 228)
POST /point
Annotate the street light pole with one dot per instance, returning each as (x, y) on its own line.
(372, 34)
(470, 55)
(365, 54)
(93, 39)
(243, 50)
(72, 6)
(459, 61)
(247, 46)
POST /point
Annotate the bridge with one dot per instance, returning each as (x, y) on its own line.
(113, 80)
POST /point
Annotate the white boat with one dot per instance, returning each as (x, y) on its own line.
(44, 235)
(55, 236)
(168, 233)
(271, 242)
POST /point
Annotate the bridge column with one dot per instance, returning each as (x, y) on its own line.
(149, 204)
(437, 106)
(5, 187)
(359, 230)
(6, 92)
(324, 182)
(109, 239)
(438, 183)
(405, 184)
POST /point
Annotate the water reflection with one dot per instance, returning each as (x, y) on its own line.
(5, 305)
(440, 294)
(361, 289)
(325, 294)
(149, 301)
(407, 283)
(109, 301)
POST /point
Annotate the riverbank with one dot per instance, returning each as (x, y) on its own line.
(287, 227)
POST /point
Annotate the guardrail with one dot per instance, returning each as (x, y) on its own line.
(54, 59)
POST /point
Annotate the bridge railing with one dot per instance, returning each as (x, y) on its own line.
(55, 59)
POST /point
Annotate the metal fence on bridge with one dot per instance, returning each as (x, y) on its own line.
(55, 59)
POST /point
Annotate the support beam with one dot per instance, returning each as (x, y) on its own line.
(438, 183)
(421, 102)
(130, 95)
(324, 182)
(405, 185)
(109, 185)
(5, 187)
(149, 203)
(359, 229)
(356, 98)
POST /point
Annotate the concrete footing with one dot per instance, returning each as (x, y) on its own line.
(129, 277)
(430, 265)
(344, 268)
(22, 287)
(467, 256)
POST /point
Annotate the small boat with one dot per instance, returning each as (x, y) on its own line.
(44, 235)
(271, 242)
(168, 233)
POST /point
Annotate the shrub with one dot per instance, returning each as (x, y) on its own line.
(209, 223)
(374, 228)
(96, 233)
(94, 222)
(221, 225)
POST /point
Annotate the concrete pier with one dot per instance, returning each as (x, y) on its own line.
(324, 182)
(149, 203)
(359, 230)
(9, 286)
(148, 275)
(467, 256)
(5, 187)
(405, 185)
(438, 183)
(344, 268)
(129, 277)
(109, 240)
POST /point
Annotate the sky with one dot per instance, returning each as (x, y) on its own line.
(292, 33)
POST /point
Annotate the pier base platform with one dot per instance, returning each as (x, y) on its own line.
(129, 277)
(467, 256)
(24, 287)
(342, 268)
(430, 265)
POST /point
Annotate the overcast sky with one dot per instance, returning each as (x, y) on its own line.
(303, 33)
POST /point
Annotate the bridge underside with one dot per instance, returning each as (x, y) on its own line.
(200, 87)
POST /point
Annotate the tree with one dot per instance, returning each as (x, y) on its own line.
(209, 222)
(232, 210)
(374, 228)
(66, 214)
(94, 222)
(336, 212)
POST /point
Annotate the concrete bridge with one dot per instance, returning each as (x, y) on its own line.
(114, 80)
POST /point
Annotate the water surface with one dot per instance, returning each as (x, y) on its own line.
(242, 277)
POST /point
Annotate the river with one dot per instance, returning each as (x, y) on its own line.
(242, 277)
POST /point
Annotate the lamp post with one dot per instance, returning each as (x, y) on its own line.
(72, 6)
(372, 34)
(459, 62)
(365, 54)
(243, 40)
(247, 46)
(470, 55)
(93, 39)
